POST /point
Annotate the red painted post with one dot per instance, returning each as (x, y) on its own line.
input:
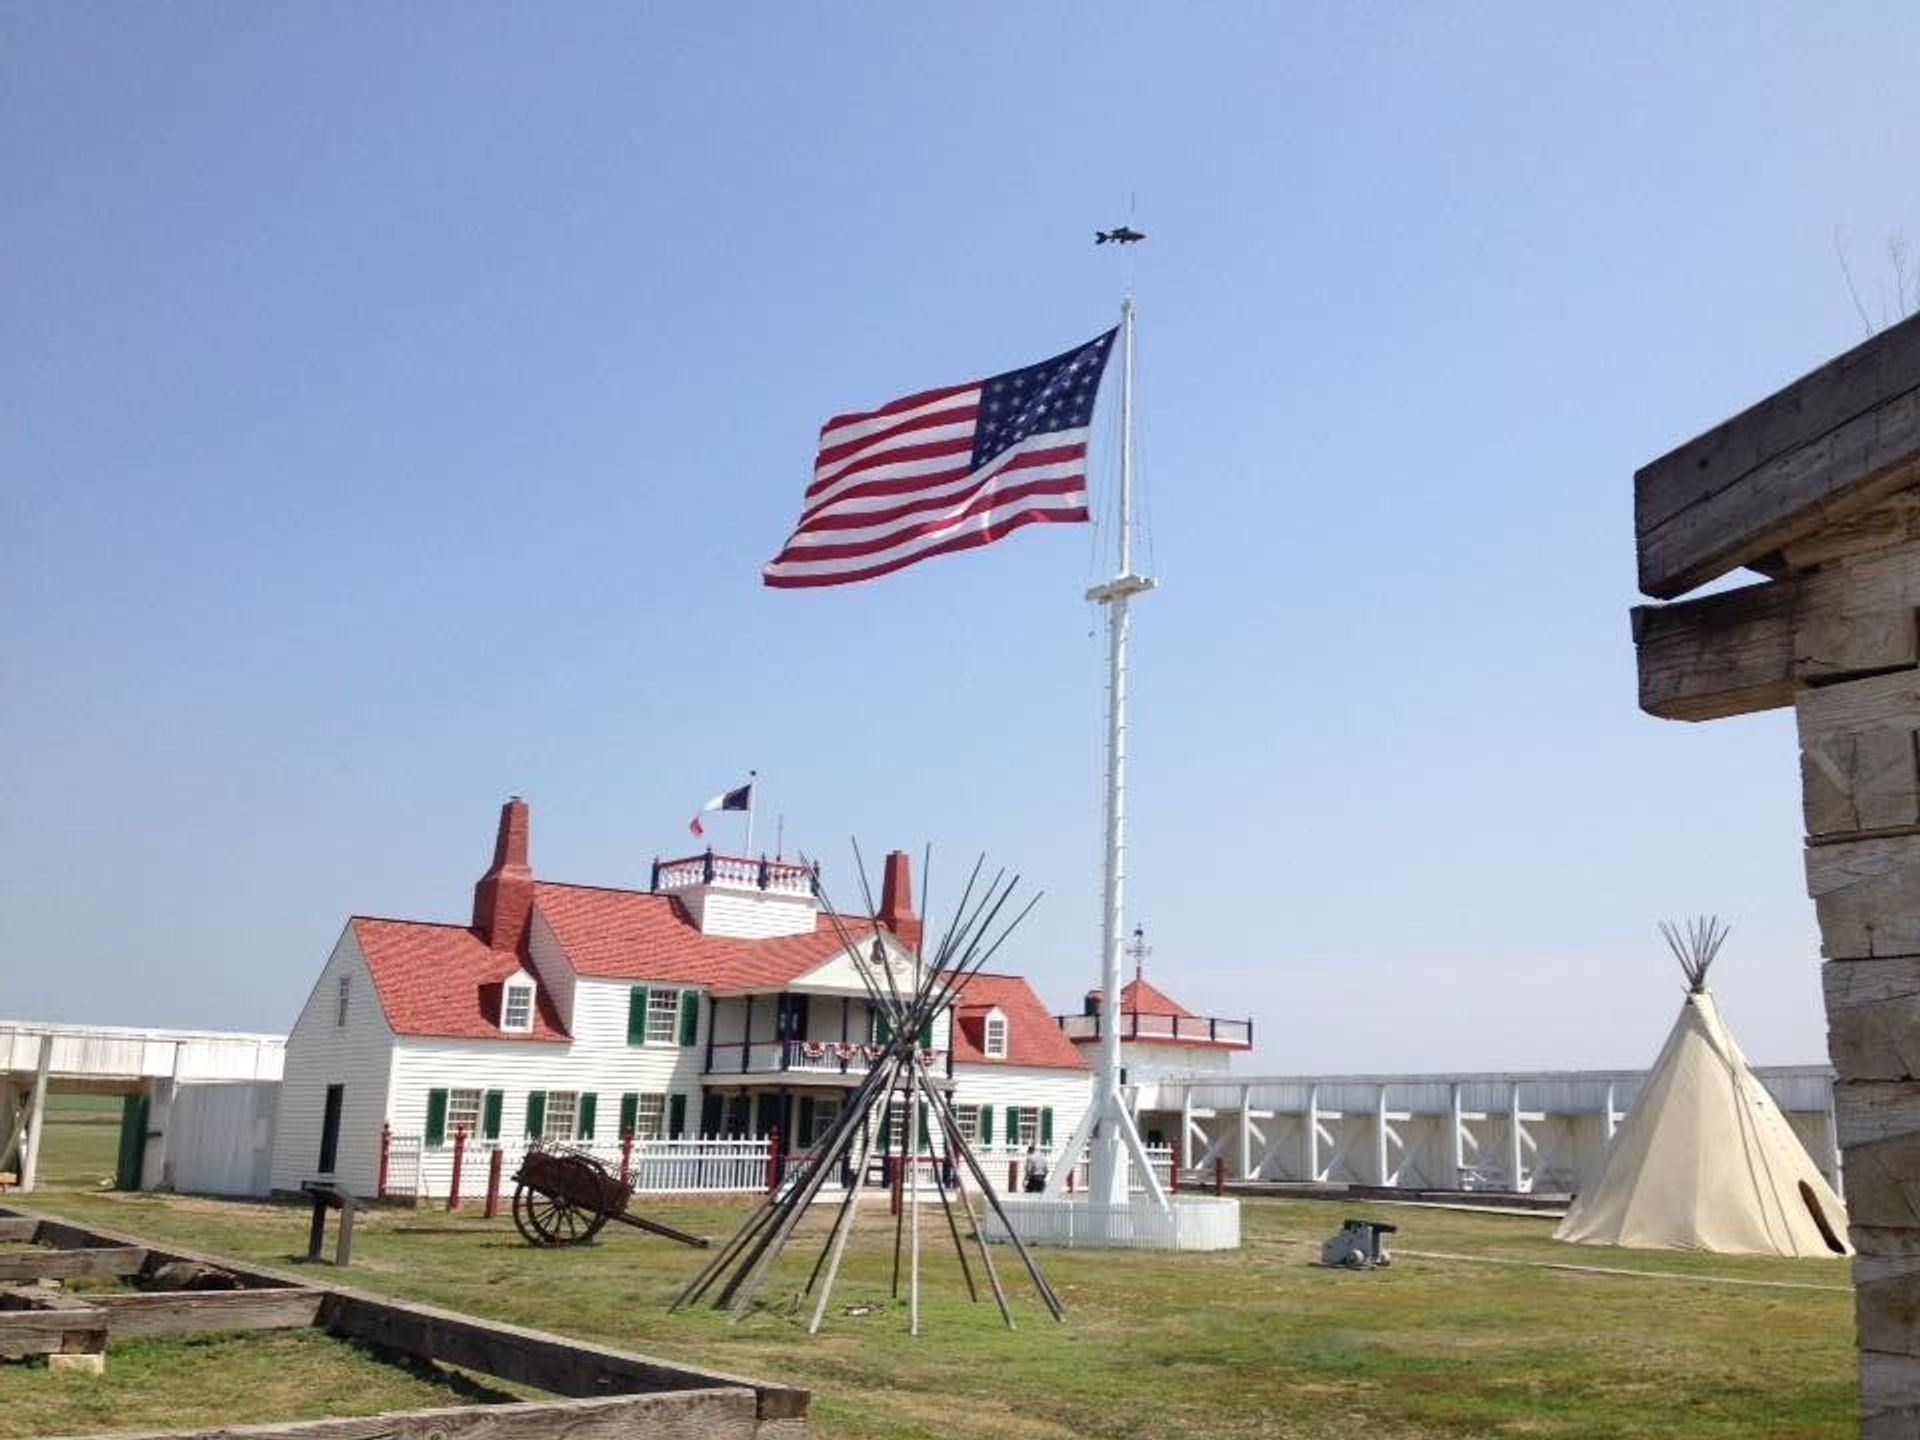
(626, 1157)
(459, 1155)
(1070, 1170)
(1219, 1175)
(1013, 1177)
(386, 1156)
(773, 1160)
(493, 1182)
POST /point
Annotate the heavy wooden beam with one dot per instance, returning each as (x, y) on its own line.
(1757, 647)
(107, 1262)
(722, 1414)
(1829, 445)
(528, 1357)
(192, 1312)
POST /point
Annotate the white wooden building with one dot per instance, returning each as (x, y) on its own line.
(198, 1105)
(718, 1003)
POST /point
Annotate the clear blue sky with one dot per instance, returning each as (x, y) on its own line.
(397, 404)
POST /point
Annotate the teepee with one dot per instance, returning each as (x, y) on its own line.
(1705, 1160)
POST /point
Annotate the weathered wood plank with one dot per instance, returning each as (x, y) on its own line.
(1756, 647)
(1886, 1291)
(191, 1312)
(1867, 896)
(1807, 455)
(1878, 1129)
(1873, 1017)
(1725, 654)
(71, 1264)
(17, 1229)
(530, 1357)
(63, 1331)
(722, 1414)
(1889, 1396)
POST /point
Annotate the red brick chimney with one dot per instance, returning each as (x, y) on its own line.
(896, 900)
(503, 899)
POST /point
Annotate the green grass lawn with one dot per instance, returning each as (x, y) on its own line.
(1258, 1342)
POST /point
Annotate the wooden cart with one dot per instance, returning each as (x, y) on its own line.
(566, 1197)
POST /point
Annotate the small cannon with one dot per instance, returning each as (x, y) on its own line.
(566, 1197)
(1358, 1245)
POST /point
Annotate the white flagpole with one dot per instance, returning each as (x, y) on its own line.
(1117, 1137)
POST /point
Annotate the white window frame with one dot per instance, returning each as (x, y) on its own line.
(992, 1051)
(549, 1130)
(967, 1117)
(521, 990)
(346, 996)
(650, 1115)
(1023, 1126)
(663, 1020)
(465, 1107)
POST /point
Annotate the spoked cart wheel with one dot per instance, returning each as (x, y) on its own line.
(554, 1200)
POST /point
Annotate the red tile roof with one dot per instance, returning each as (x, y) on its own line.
(444, 980)
(1142, 997)
(1033, 1037)
(638, 935)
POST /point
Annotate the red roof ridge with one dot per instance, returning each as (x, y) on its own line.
(609, 889)
(433, 924)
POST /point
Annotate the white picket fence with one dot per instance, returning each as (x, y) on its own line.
(424, 1172)
(657, 1167)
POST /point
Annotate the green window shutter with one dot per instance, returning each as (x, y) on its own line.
(588, 1103)
(805, 1123)
(629, 1113)
(689, 1016)
(676, 1116)
(1046, 1126)
(536, 1113)
(712, 1114)
(637, 1015)
(490, 1115)
(882, 1028)
(926, 1036)
(436, 1117)
(926, 1135)
(986, 1124)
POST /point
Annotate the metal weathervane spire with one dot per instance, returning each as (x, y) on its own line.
(1108, 1123)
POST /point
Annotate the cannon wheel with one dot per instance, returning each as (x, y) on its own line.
(548, 1219)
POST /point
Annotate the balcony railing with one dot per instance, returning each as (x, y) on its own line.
(779, 877)
(1144, 1025)
(803, 1057)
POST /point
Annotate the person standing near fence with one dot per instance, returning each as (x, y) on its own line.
(1036, 1171)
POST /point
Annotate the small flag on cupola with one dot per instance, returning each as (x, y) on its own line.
(741, 799)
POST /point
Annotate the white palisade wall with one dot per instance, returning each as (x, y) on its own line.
(321, 1052)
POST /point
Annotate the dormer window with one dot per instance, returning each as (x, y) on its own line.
(996, 1035)
(516, 1006)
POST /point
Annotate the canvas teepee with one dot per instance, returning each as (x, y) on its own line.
(1705, 1160)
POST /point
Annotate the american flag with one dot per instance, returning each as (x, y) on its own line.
(946, 470)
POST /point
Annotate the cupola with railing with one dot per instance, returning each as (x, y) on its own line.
(1148, 1016)
(741, 896)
